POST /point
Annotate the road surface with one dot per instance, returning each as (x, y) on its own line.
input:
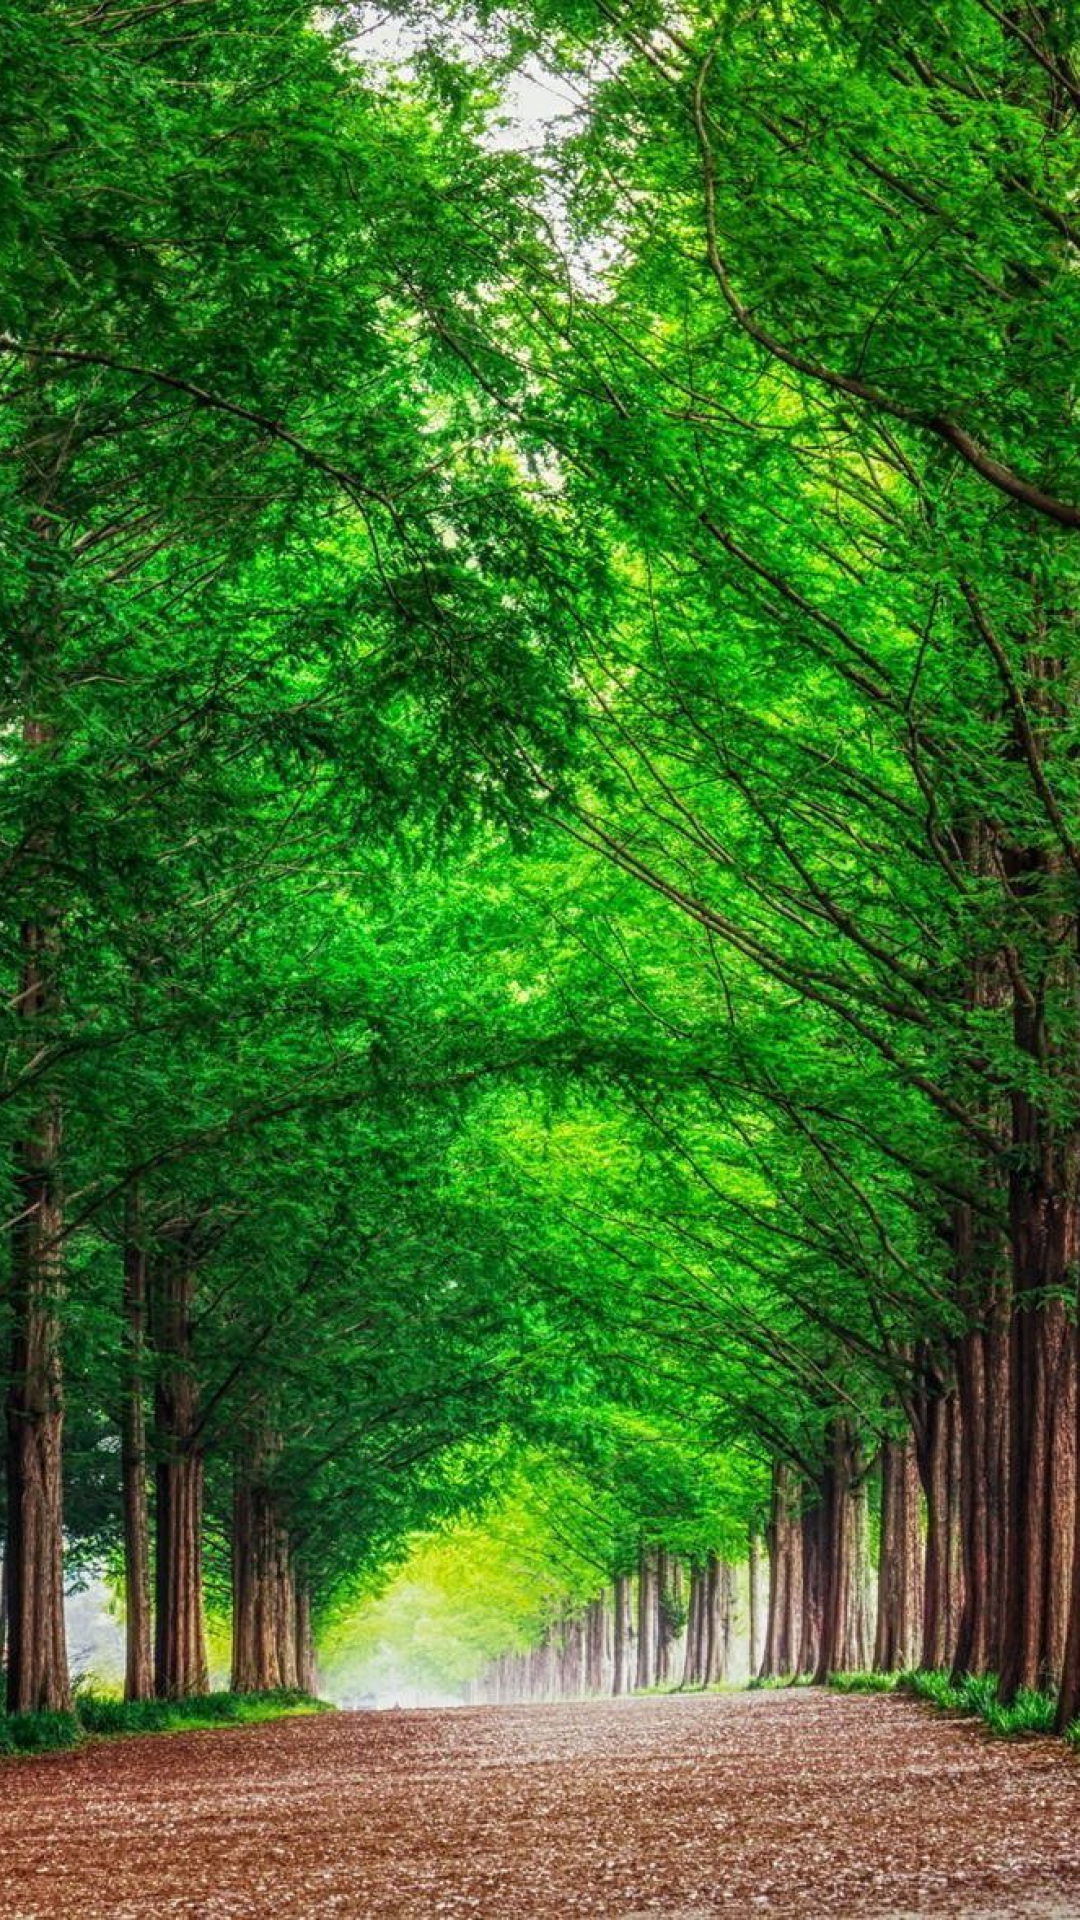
(800, 1803)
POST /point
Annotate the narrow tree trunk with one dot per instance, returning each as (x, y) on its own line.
(982, 1371)
(620, 1679)
(719, 1596)
(755, 1598)
(844, 1626)
(285, 1611)
(307, 1674)
(784, 1540)
(180, 1663)
(937, 1440)
(665, 1633)
(647, 1611)
(596, 1626)
(139, 1664)
(693, 1661)
(814, 1548)
(898, 1641)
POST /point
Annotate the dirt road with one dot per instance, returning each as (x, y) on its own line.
(771, 1803)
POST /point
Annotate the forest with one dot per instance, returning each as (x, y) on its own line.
(540, 821)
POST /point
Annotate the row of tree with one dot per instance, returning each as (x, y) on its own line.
(539, 812)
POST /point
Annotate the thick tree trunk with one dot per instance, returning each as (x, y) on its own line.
(982, 1372)
(139, 1664)
(647, 1619)
(898, 1642)
(621, 1661)
(256, 1609)
(937, 1444)
(1042, 1497)
(845, 1628)
(37, 1669)
(37, 1675)
(783, 1632)
(1044, 1231)
(180, 1663)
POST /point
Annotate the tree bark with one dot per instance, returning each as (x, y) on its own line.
(595, 1640)
(693, 1658)
(37, 1674)
(844, 1637)
(1042, 1497)
(665, 1625)
(937, 1446)
(783, 1632)
(754, 1598)
(898, 1641)
(307, 1671)
(647, 1619)
(718, 1610)
(982, 1372)
(620, 1678)
(180, 1663)
(139, 1662)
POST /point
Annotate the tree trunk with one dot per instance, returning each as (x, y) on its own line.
(180, 1664)
(1042, 1496)
(307, 1672)
(844, 1624)
(898, 1641)
(620, 1678)
(139, 1664)
(693, 1658)
(37, 1675)
(647, 1615)
(1044, 1233)
(783, 1632)
(755, 1607)
(665, 1627)
(285, 1611)
(937, 1444)
(982, 1372)
(595, 1638)
(814, 1551)
(718, 1620)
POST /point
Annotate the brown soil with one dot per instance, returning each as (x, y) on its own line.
(774, 1803)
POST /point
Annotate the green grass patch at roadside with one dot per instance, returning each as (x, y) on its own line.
(865, 1682)
(973, 1694)
(100, 1715)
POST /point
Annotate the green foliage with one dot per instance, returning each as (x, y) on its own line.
(532, 679)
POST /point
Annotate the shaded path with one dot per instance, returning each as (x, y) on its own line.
(787, 1803)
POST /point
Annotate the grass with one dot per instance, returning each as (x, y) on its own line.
(865, 1682)
(974, 1694)
(101, 1715)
